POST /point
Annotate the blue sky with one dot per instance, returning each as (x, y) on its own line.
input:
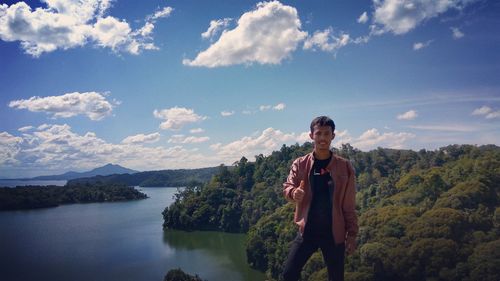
(183, 84)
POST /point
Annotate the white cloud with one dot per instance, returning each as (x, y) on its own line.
(264, 107)
(162, 13)
(456, 33)
(266, 35)
(191, 139)
(483, 110)
(269, 140)
(326, 41)
(215, 27)
(363, 18)
(9, 148)
(399, 17)
(226, 113)
(176, 117)
(487, 112)
(304, 137)
(409, 115)
(279, 106)
(341, 137)
(57, 147)
(196, 131)
(419, 45)
(64, 24)
(372, 139)
(142, 138)
(25, 128)
(92, 104)
(492, 115)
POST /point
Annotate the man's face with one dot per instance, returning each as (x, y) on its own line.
(322, 137)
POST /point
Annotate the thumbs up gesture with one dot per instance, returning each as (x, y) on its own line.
(298, 193)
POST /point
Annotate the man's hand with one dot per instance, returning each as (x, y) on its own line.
(298, 193)
(350, 245)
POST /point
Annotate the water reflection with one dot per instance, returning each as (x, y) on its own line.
(224, 249)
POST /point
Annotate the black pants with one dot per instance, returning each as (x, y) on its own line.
(302, 249)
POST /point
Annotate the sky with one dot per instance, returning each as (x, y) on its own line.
(159, 84)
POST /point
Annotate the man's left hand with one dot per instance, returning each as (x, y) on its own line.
(350, 245)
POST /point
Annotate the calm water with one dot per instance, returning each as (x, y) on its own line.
(114, 241)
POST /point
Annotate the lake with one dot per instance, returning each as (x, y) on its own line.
(114, 241)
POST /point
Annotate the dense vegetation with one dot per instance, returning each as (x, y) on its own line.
(31, 197)
(179, 275)
(426, 215)
(163, 178)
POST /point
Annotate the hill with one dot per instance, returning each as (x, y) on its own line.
(163, 178)
(423, 215)
(105, 170)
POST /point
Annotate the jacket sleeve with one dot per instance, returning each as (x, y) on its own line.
(292, 181)
(349, 206)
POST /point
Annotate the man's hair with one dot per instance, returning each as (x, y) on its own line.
(322, 121)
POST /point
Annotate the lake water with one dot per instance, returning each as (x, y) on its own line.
(114, 241)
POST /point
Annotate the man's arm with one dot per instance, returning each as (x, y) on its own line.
(292, 182)
(349, 209)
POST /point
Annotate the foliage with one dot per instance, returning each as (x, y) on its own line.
(31, 197)
(179, 275)
(164, 178)
(423, 215)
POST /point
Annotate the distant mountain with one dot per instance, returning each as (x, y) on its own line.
(162, 178)
(109, 169)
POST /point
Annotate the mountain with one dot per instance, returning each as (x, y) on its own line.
(162, 178)
(105, 170)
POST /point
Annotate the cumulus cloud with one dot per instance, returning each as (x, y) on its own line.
(400, 17)
(176, 117)
(196, 131)
(363, 18)
(326, 41)
(487, 112)
(190, 139)
(92, 104)
(456, 33)
(226, 113)
(215, 27)
(269, 140)
(372, 139)
(161, 13)
(9, 148)
(142, 138)
(65, 24)
(57, 147)
(419, 45)
(341, 137)
(409, 115)
(266, 35)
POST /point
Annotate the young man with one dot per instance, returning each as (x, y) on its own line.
(322, 186)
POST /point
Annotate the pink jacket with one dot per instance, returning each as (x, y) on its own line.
(345, 222)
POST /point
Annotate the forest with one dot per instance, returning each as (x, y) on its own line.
(162, 178)
(32, 197)
(423, 215)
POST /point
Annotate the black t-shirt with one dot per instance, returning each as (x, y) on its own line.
(319, 222)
